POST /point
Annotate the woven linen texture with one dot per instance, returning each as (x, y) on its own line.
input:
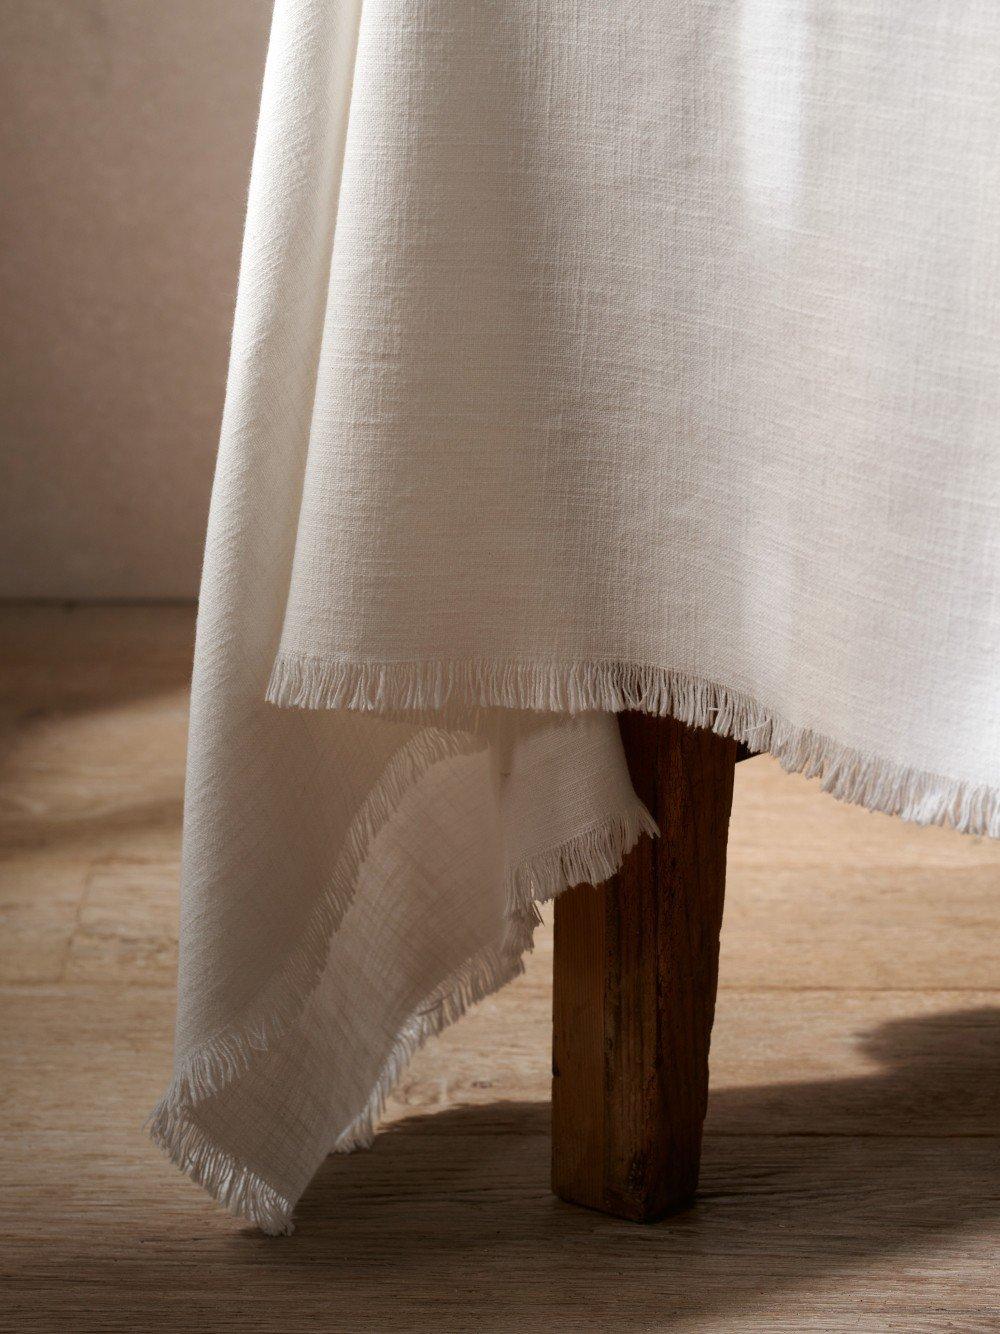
(586, 357)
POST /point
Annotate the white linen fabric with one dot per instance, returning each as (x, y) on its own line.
(587, 357)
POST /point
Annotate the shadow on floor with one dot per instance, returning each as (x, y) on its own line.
(450, 1211)
(872, 1208)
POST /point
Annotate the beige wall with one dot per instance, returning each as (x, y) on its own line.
(126, 130)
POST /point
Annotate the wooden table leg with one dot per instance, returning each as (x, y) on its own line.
(636, 969)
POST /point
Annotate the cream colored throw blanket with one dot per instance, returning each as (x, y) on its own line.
(587, 357)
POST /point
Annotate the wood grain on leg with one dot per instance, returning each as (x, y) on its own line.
(636, 969)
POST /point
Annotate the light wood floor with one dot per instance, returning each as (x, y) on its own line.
(851, 1176)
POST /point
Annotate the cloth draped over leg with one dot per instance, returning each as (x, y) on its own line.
(585, 359)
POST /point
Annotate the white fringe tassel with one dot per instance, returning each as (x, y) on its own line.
(453, 688)
(590, 858)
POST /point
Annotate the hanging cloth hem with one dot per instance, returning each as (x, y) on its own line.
(590, 858)
(451, 690)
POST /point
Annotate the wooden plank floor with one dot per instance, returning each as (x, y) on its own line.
(851, 1177)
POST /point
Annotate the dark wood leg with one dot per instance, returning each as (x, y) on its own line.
(636, 970)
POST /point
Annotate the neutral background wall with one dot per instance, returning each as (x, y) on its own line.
(126, 132)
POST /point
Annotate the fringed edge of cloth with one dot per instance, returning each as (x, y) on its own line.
(590, 857)
(229, 1053)
(235, 1186)
(447, 688)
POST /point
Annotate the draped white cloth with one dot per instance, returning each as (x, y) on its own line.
(586, 357)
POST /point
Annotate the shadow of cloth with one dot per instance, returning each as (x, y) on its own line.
(880, 1182)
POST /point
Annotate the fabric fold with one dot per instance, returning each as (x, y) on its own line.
(444, 870)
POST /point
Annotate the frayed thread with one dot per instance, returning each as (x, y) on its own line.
(227, 1054)
(478, 978)
(234, 1185)
(452, 688)
(589, 858)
